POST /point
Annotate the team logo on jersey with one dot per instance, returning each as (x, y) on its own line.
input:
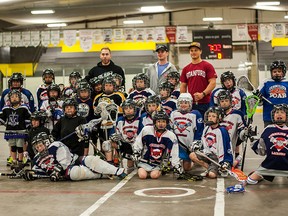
(83, 109)
(13, 119)
(156, 153)
(279, 143)
(182, 126)
(277, 91)
(210, 139)
(44, 95)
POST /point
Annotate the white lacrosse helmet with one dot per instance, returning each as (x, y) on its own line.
(185, 97)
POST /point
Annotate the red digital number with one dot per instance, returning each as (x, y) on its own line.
(215, 47)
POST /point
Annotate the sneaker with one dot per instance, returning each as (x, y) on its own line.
(9, 161)
(204, 174)
(122, 175)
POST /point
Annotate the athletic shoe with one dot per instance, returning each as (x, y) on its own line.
(122, 176)
(204, 174)
(9, 161)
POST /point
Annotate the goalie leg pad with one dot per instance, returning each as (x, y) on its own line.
(98, 165)
(77, 173)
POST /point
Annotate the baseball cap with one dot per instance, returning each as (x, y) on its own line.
(195, 44)
(162, 47)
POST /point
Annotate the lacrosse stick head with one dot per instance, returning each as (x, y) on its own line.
(244, 83)
(238, 174)
(252, 102)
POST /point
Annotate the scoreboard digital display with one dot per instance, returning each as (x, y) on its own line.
(215, 44)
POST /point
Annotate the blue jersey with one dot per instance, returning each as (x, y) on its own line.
(146, 119)
(140, 95)
(27, 99)
(41, 94)
(154, 148)
(85, 109)
(175, 94)
(276, 92)
(217, 141)
(238, 99)
(274, 140)
(169, 105)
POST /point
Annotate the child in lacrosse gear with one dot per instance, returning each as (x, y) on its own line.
(173, 77)
(233, 120)
(187, 124)
(38, 119)
(153, 144)
(16, 82)
(48, 78)
(67, 125)
(53, 106)
(127, 128)
(16, 117)
(54, 159)
(228, 82)
(96, 85)
(70, 91)
(151, 104)
(119, 80)
(141, 90)
(167, 103)
(85, 103)
(272, 144)
(273, 89)
(216, 145)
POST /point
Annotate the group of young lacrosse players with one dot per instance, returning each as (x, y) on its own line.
(143, 130)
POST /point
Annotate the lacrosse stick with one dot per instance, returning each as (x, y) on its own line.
(244, 83)
(251, 102)
(236, 173)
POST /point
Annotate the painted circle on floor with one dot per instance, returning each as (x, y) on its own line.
(165, 192)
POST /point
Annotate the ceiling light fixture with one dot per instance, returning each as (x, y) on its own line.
(51, 25)
(42, 12)
(212, 19)
(149, 9)
(131, 22)
(286, 17)
(272, 3)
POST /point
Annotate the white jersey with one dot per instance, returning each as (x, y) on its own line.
(155, 148)
(217, 141)
(146, 119)
(187, 127)
(234, 123)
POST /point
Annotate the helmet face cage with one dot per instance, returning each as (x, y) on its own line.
(83, 86)
(15, 77)
(220, 115)
(76, 75)
(141, 76)
(129, 103)
(227, 75)
(175, 75)
(278, 64)
(95, 81)
(53, 87)
(153, 99)
(184, 97)
(43, 138)
(222, 95)
(70, 102)
(108, 80)
(166, 86)
(48, 71)
(117, 77)
(283, 107)
(160, 115)
(39, 116)
(17, 92)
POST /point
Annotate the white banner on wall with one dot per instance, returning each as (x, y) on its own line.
(140, 34)
(181, 34)
(107, 35)
(279, 30)
(150, 34)
(129, 35)
(35, 38)
(69, 37)
(242, 31)
(45, 38)
(118, 35)
(98, 36)
(160, 34)
(266, 32)
(26, 39)
(55, 37)
(86, 37)
(16, 39)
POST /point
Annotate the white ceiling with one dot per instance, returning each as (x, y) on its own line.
(15, 14)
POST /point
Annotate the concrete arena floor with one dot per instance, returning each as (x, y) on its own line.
(42, 197)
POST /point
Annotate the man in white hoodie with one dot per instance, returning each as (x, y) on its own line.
(158, 71)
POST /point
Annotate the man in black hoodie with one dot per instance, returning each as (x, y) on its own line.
(106, 67)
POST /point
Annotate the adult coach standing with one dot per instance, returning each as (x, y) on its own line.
(106, 67)
(199, 77)
(157, 72)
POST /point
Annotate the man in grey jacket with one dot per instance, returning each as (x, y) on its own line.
(158, 71)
